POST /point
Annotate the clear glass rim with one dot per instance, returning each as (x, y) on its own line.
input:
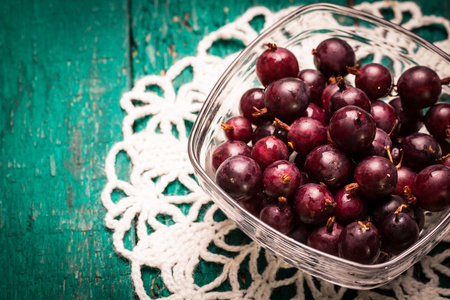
(194, 139)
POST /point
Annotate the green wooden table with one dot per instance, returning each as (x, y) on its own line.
(63, 68)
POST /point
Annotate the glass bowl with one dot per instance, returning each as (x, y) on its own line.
(373, 39)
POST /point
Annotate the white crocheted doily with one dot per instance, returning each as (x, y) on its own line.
(178, 231)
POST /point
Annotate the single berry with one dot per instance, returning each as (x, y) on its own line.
(384, 116)
(374, 79)
(316, 83)
(431, 187)
(313, 204)
(251, 104)
(348, 95)
(238, 128)
(419, 87)
(306, 134)
(239, 176)
(228, 149)
(374, 177)
(332, 57)
(437, 121)
(420, 150)
(325, 238)
(279, 216)
(287, 98)
(350, 206)
(268, 150)
(275, 63)
(352, 129)
(398, 232)
(360, 242)
(316, 112)
(329, 165)
(281, 179)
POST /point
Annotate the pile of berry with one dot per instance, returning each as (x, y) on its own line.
(331, 164)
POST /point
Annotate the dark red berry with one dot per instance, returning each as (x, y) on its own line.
(313, 204)
(405, 179)
(239, 176)
(276, 63)
(325, 238)
(420, 150)
(317, 113)
(375, 176)
(238, 128)
(350, 206)
(268, 150)
(250, 103)
(329, 165)
(419, 87)
(398, 232)
(332, 57)
(316, 83)
(281, 179)
(431, 187)
(348, 95)
(306, 134)
(374, 79)
(279, 216)
(437, 121)
(384, 116)
(287, 98)
(360, 242)
(228, 149)
(352, 129)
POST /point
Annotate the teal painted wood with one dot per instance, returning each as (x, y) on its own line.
(63, 67)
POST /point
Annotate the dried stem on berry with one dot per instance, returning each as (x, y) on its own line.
(351, 187)
(445, 81)
(330, 224)
(341, 83)
(285, 178)
(259, 112)
(393, 127)
(365, 226)
(400, 208)
(271, 46)
(282, 203)
(352, 70)
(331, 80)
(226, 126)
(280, 125)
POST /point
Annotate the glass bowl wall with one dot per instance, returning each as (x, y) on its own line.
(373, 39)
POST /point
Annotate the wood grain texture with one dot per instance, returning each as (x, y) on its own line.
(63, 67)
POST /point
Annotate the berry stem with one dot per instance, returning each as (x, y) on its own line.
(341, 83)
(393, 128)
(351, 187)
(445, 81)
(282, 203)
(400, 208)
(259, 112)
(280, 125)
(388, 150)
(330, 224)
(226, 126)
(365, 226)
(271, 46)
(353, 70)
(285, 178)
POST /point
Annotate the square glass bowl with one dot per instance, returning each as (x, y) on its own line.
(373, 39)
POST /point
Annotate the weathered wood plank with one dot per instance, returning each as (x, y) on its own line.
(63, 67)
